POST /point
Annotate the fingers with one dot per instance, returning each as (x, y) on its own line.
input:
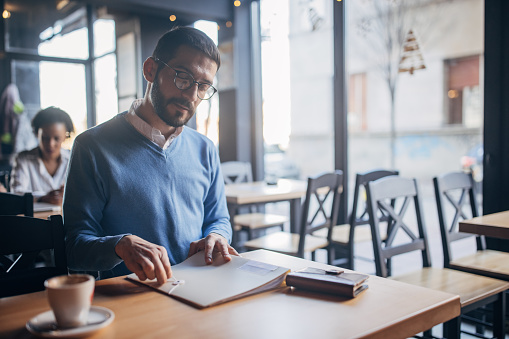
(209, 248)
(217, 243)
(225, 252)
(162, 267)
(147, 260)
(139, 272)
(233, 251)
(193, 249)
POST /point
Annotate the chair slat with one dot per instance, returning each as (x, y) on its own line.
(28, 236)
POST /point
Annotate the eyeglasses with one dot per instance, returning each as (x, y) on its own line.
(184, 81)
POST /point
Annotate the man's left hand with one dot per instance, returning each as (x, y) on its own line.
(211, 244)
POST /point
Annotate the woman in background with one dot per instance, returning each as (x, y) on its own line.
(42, 170)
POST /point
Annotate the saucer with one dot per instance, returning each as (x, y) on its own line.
(44, 325)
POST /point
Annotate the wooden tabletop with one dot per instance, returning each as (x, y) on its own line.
(492, 225)
(260, 191)
(387, 309)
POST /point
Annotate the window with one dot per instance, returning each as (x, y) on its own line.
(463, 93)
(47, 46)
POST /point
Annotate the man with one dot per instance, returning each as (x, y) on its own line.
(143, 191)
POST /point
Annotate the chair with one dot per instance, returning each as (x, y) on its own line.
(394, 195)
(235, 172)
(319, 211)
(5, 177)
(25, 237)
(15, 204)
(455, 187)
(345, 236)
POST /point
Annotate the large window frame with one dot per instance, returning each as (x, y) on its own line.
(12, 56)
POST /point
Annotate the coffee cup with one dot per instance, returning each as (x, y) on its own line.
(70, 297)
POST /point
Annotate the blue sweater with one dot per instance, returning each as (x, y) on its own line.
(120, 183)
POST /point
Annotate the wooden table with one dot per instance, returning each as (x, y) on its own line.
(491, 225)
(259, 192)
(387, 309)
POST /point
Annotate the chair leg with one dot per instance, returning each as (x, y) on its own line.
(428, 333)
(479, 328)
(331, 253)
(499, 316)
(350, 264)
(451, 328)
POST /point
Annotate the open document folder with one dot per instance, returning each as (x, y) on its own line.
(202, 285)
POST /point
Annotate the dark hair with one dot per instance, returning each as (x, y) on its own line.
(181, 35)
(52, 115)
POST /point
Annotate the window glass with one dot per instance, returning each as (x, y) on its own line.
(414, 94)
(106, 88)
(415, 100)
(63, 85)
(207, 114)
(104, 36)
(297, 80)
(44, 84)
(25, 74)
(35, 27)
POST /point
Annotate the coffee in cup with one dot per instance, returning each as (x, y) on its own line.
(70, 297)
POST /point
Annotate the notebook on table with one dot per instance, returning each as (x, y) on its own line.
(201, 285)
(337, 282)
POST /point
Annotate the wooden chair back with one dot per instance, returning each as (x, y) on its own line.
(455, 191)
(15, 204)
(342, 246)
(235, 172)
(21, 239)
(320, 208)
(361, 217)
(394, 196)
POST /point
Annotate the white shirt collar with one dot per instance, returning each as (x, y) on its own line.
(151, 133)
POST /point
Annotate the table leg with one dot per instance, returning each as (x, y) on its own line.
(295, 215)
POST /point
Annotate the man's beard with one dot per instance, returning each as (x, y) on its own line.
(160, 105)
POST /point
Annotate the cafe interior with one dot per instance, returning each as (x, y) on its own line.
(354, 137)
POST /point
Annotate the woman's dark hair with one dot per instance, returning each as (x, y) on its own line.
(52, 115)
(169, 43)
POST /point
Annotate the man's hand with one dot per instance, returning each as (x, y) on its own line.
(211, 244)
(145, 259)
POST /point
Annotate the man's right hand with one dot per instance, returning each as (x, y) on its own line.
(147, 260)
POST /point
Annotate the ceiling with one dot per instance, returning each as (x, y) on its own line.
(213, 10)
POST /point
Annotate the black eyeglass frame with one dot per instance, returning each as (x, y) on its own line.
(177, 72)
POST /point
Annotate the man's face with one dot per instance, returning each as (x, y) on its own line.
(174, 106)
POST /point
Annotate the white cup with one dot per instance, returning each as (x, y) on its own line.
(70, 297)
